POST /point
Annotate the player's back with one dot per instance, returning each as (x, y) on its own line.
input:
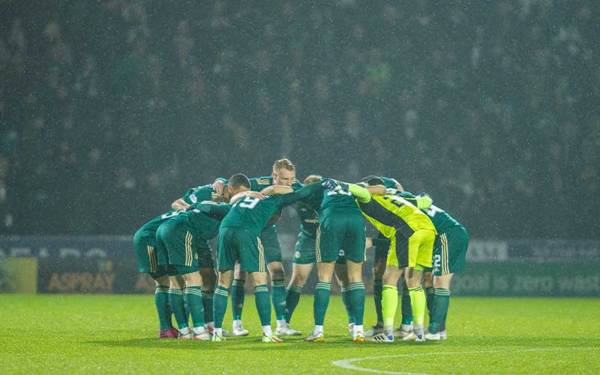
(251, 213)
(204, 218)
(441, 219)
(402, 208)
(339, 200)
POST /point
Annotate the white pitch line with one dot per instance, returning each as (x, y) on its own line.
(347, 363)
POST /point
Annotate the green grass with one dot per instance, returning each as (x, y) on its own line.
(116, 334)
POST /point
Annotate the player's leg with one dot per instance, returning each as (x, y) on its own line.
(278, 293)
(252, 260)
(163, 309)
(220, 301)
(177, 305)
(175, 292)
(227, 250)
(209, 281)
(429, 289)
(238, 294)
(406, 326)
(341, 276)
(395, 262)
(420, 250)
(356, 290)
(146, 254)
(449, 258)
(354, 246)
(300, 273)
(378, 270)
(321, 299)
(272, 250)
(327, 246)
(192, 293)
(440, 306)
(304, 260)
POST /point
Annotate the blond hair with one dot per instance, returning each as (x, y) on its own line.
(283, 163)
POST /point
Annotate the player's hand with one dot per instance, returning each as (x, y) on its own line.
(218, 186)
(424, 201)
(368, 242)
(329, 184)
(180, 205)
(256, 194)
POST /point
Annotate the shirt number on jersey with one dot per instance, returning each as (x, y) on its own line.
(437, 260)
(249, 202)
(396, 201)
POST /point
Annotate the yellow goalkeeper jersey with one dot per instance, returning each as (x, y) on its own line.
(391, 213)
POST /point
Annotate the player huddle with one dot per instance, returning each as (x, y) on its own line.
(418, 245)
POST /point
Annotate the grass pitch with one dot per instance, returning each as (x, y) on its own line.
(116, 334)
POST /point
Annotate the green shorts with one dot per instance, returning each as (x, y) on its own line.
(450, 251)
(304, 251)
(343, 231)
(146, 254)
(239, 245)
(185, 251)
(270, 242)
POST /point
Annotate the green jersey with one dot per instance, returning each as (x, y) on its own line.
(253, 214)
(193, 195)
(204, 218)
(339, 200)
(440, 218)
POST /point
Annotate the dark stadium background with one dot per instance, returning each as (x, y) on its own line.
(109, 110)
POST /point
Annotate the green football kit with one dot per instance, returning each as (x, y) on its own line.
(145, 238)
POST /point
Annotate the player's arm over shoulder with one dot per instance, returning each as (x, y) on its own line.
(277, 189)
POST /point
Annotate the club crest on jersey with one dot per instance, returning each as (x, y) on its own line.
(193, 198)
(297, 254)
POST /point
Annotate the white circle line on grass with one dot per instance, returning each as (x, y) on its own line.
(348, 363)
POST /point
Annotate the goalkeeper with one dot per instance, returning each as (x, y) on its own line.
(401, 222)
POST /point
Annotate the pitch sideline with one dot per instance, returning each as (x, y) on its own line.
(347, 363)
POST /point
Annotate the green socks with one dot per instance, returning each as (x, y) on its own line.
(220, 305)
(441, 302)
(193, 298)
(278, 298)
(429, 293)
(406, 307)
(377, 290)
(389, 304)
(237, 298)
(291, 301)
(207, 301)
(418, 304)
(178, 307)
(322, 292)
(347, 304)
(263, 304)
(357, 302)
(161, 300)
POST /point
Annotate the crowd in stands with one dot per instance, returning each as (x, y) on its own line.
(109, 110)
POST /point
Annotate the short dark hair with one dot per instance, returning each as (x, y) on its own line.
(238, 180)
(373, 180)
